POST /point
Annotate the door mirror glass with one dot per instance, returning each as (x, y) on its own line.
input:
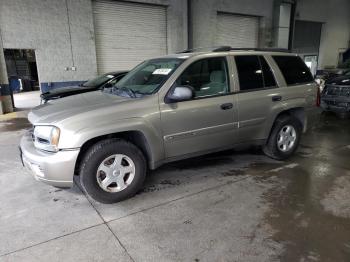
(180, 93)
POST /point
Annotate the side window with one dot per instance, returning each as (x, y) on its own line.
(293, 69)
(269, 79)
(249, 72)
(208, 77)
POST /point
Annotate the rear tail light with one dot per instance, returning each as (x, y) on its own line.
(318, 97)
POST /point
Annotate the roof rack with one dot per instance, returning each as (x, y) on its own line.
(229, 48)
(199, 49)
(268, 49)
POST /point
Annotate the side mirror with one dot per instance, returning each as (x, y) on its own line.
(180, 93)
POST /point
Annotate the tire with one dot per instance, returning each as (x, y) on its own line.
(110, 159)
(272, 148)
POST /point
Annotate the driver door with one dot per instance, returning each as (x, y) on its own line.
(207, 122)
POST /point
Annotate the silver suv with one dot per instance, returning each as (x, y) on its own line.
(170, 108)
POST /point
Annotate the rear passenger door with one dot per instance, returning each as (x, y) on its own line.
(257, 96)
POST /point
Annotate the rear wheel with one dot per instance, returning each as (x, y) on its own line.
(284, 138)
(113, 170)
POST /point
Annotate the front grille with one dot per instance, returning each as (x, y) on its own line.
(333, 90)
(337, 103)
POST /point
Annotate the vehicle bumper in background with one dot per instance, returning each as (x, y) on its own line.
(340, 106)
(56, 169)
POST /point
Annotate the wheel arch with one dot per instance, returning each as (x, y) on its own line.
(297, 112)
(138, 138)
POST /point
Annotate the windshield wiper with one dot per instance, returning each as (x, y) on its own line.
(127, 90)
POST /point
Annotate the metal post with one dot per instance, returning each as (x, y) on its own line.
(5, 92)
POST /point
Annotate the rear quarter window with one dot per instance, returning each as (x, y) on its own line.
(293, 69)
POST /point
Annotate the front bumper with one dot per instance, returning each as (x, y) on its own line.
(56, 169)
(335, 106)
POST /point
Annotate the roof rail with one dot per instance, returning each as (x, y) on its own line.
(229, 48)
(268, 49)
(206, 48)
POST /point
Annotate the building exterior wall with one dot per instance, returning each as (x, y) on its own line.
(204, 13)
(335, 35)
(43, 26)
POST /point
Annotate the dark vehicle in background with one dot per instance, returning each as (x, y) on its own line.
(335, 96)
(102, 81)
(328, 74)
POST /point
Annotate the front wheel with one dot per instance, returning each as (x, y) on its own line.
(113, 170)
(284, 138)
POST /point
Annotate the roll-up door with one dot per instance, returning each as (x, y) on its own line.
(307, 37)
(128, 33)
(237, 30)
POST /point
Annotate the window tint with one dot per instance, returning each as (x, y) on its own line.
(149, 76)
(249, 72)
(269, 79)
(95, 82)
(208, 77)
(293, 69)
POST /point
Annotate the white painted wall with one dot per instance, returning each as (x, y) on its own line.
(283, 25)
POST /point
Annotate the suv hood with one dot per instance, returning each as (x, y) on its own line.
(67, 107)
(339, 81)
(61, 90)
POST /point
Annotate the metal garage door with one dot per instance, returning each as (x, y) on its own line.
(237, 30)
(307, 37)
(128, 33)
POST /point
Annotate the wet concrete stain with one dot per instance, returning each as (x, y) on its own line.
(170, 182)
(306, 230)
(164, 184)
(302, 225)
(14, 124)
(203, 162)
(234, 172)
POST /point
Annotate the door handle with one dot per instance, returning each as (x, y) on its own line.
(226, 106)
(276, 98)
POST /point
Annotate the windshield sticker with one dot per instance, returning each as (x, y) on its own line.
(109, 76)
(162, 71)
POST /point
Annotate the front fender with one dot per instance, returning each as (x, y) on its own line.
(152, 134)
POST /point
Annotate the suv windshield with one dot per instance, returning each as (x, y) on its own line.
(147, 77)
(95, 82)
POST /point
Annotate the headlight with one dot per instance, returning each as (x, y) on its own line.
(46, 138)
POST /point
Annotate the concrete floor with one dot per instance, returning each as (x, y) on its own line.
(232, 206)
